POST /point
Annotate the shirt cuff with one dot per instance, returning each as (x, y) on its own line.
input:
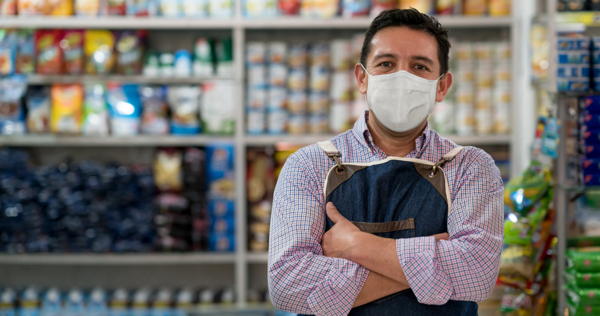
(337, 293)
(426, 279)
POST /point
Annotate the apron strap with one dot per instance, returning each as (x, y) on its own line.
(332, 152)
(446, 158)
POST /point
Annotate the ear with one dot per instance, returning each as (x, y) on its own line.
(444, 85)
(360, 75)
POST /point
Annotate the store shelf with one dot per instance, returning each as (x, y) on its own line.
(110, 22)
(266, 140)
(50, 79)
(88, 141)
(481, 140)
(116, 259)
(589, 19)
(258, 257)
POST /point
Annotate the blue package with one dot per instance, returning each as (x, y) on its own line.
(596, 57)
(125, 106)
(591, 137)
(590, 121)
(573, 71)
(591, 104)
(221, 242)
(220, 161)
(591, 166)
(7, 302)
(578, 85)
(8, 52)
(12, 114)
(580, 57)
(591, 180)
(573, 43)
(29, 302)
(185, 109)
(222, 225)
(592, 151)
(97, 304)
(221, 208)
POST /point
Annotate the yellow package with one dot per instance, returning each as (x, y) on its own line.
(425, 6)
(99, 51)
(500, 7)
(61, 7)
(475, 7)
(66, 108)
(87, 7)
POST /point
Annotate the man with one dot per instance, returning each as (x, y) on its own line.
(403, 71)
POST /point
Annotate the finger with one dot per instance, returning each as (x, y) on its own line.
(333, 213)
(442, 236)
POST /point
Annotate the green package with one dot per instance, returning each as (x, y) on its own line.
(584, 259)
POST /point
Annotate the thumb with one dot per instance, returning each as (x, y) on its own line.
(333, 213)
(442, 236)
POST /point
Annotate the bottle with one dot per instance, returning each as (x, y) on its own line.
(97, 305)
(74, 305)
(7, 303)
(51, 304)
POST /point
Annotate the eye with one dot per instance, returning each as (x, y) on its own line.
(421, 67)
(385, 64)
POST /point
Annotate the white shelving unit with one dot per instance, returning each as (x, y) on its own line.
(239, 26)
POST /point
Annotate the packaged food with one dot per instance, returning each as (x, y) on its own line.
(72, 49)
(352, 8)
(12, 114)
(185, 109)
(221, 242)
(119, 302)
(298, 56)
(341, 86)
(446, 7)
(220, 8)
(170, 8)
(97, 304)
(339, 117)
(257, 75)
(38, 110)
(95, 110)
(30, 302)
(25, 52)
(258, 97)
(167, 64)
(168, 170)
(318, 124)
(61, 7)
(475, 7)
(425, 6)
(87, 7)
(115, 7)
(318, 103)
(319, 78)
(98, 47)
(130, 50)
(320, 55)
(297, 103)
(277, 75)
(297, 79)
(379, 6)
(140, 304)
(341, 55)
(260, 8)
(218, 107)
(183, 63)
(224, 57)
(8, 7)
(125, 108)
(320, 8)
(499, 7)
(277, 98)
(203, 58)
(289, 7)
(8, 42)
(51, 302)
(66, 108)
(256, 53)
(256, 121)
(155, 113)
(195, 8)
(152, 65)
(142, 8)
(45, 7)
(49, 54)
(297, 125)
(277, 121)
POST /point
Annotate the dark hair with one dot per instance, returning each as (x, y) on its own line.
(415, 20)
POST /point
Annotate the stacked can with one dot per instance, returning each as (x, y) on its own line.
(573, 72)
(320, 77)
(297, 83)
(258, 87)
(341, 85)
(501, 92)
(277, 95)
(484, 80)
(465, 88)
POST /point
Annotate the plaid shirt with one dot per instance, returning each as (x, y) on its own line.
(465, 267)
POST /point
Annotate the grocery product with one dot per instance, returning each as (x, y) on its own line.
(425, 6)
(12, 116)
(573, 71)
(224, 57)
(115, 7)
(289, 7)
(66, 108)
(185, 109)
(143, 8)
(260, 8)
(155, 113)
(25, 54)
(129, 48)
(475, 7)
(95, 110)
(87, 7)
(168, 170)
(379, 6)
(125, 109)
(183, 64)
(352, 8)
(499, 7)
(220, 8)
(8, 7)
(218, 107)
(38, 110)
(49, 54)
(203, 58)
(170, 8)
(195, 8)
(98, 48)
(8, 61)
(446, 7)
(72, 50)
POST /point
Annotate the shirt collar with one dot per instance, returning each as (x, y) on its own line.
(361, 132)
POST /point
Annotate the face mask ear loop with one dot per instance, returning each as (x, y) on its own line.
(365, 69)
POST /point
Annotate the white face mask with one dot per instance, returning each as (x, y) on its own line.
(400, 100)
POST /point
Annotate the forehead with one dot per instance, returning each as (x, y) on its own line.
(404, 42)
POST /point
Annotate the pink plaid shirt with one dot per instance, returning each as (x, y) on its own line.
(465, 267)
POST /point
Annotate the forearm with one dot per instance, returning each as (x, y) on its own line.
(379, 255)
(377, 286)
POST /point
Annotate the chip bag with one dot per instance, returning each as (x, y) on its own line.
(38, 110)
(66, 108)
(25, 52)
(72, 47)
(99, 46)
(49, 55)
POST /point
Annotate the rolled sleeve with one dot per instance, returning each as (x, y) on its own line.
(465, 267)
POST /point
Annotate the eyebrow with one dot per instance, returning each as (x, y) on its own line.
(380, 56)
(423, 59)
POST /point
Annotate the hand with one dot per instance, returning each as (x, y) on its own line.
(442, 236)
(338, 242)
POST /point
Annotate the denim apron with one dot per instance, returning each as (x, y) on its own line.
(394, 198)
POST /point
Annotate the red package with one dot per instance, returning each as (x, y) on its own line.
(49, 55)
(72, 50)
(290, 7)
(116, 7)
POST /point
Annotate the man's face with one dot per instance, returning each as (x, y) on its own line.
(401, 48)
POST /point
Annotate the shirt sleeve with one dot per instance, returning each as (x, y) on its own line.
(301, 279)
(465, 267)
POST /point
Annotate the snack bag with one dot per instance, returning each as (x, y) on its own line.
(125, 109)
(25, 52)
(72, 47)
(12, 116)
(524, 191)
(142, 7)
(7, 52)
(290, 7)
(98, 48)
(218, 107)
(584, 259)
(155, 114)
(130, 52)
(61, 7)
(38, 110)
(115, 7)
(168, 170)
(66, 108)
(95, 111)
(185, 108)
(87, 7)
(49, 55)
(8, 7)
(195, 8)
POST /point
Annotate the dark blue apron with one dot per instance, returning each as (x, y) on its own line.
(394, 198)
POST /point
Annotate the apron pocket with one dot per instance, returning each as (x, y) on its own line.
(397, 229)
